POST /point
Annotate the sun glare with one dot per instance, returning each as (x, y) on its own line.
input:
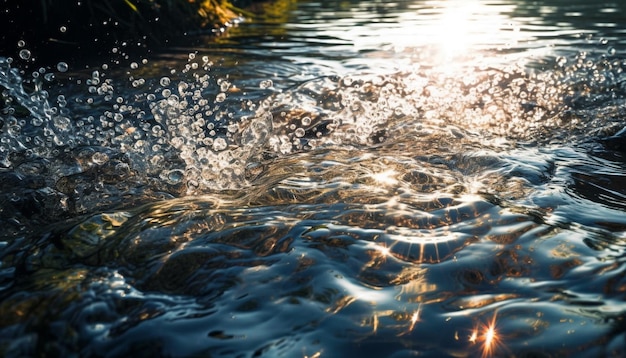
(388, 177)
(462, 29)
(488, 337)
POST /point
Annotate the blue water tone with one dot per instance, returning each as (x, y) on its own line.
(334, 179)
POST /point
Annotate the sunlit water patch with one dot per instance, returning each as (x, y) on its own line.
(363, 193)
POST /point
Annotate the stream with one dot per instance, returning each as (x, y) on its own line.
(328, 179)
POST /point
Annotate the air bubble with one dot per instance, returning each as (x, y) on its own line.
(62, 28)
(21, 43)
(62, 67)
(306, 121)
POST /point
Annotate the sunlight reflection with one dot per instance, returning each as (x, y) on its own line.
(415, 318)
(488, 337)
(386, 178)
(466, 24)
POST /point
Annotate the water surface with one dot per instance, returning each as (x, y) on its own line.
(435, 178)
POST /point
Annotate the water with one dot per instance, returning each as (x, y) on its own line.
(435, 178)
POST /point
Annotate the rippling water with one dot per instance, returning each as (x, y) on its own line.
(329, 179)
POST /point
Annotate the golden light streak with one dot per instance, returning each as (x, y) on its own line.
(488, 337)
(415, 318)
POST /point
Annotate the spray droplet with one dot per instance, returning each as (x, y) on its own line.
(99, 158)
(175, 176)
(266, 84)
(299, 132)
(24, 54)
(62, 67)
(219, 144)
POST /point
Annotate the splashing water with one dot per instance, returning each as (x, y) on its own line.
(346, 207)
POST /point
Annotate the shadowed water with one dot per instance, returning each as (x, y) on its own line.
(418, 178)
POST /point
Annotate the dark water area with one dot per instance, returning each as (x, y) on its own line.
(328, 179)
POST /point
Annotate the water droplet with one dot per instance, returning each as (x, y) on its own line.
(299, 132)
(62, 28)
(62, 67)
(611, 51)
(561, 61)
(99, 158)
(175, 176)
(62, 123)
(219, 144)
(24, 54)
(221, 97)
(165, 81)
(134, 65)
(224, 86)
(266, 84)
